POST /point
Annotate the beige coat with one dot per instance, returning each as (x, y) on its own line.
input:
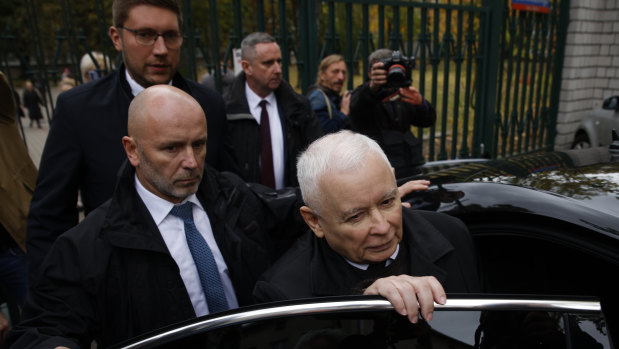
(18, 173)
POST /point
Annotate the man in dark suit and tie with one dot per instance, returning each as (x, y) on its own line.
(83, 151)
(269, 123)
(176, 240)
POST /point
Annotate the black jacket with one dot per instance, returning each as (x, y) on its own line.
(389, 124)
(84, 151)
(330, 116)
(112, 277)
(300, 127)
(438, 245)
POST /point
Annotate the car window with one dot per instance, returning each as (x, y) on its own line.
(386, 329)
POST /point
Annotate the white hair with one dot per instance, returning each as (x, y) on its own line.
(335, 152)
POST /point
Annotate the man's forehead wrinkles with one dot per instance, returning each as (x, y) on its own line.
(354, 210)
(391, 193)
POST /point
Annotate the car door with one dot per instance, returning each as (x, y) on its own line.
(370, 322)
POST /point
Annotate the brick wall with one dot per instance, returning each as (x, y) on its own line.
(591, 66)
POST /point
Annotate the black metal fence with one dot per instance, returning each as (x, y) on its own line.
(492, 73)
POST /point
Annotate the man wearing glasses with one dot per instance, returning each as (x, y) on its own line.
(83, 152)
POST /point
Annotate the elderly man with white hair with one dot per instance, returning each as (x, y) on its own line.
(364, 241)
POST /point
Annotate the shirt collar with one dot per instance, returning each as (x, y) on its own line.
(158, 207)
(253, 99)
(366, 265)
(135, 87)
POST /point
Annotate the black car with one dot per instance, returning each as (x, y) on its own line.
(369, 322)
(546, 227)
(541, 224)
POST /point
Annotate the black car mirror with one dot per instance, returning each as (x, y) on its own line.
(610, 103)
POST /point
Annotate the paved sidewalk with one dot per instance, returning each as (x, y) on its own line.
(35, 139)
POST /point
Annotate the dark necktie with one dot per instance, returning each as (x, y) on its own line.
(203, 257)
(377, 266)
(266, 152)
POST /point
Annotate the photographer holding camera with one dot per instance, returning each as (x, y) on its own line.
(386, 106)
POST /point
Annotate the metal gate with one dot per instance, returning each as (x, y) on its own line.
(492, 73)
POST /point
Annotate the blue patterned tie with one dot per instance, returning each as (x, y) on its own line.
(203, 257)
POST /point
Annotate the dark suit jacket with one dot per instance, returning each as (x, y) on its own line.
(112, 277)
(438, 245)
(84, 151)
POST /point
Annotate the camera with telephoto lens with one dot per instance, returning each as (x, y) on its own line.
(399, 70)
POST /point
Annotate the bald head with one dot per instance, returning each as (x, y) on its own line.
(167, 141)
(156, 102)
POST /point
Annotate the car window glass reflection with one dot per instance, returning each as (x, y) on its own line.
(386, 329)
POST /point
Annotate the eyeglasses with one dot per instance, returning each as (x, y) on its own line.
(148, 37)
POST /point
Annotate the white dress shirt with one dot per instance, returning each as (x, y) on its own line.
(172, 230)
(275, 125)
(366, 266)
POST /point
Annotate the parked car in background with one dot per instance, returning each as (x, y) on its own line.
(594, 128)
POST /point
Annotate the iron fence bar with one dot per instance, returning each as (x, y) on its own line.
(349, 44)
(538, 101)
(531, 127)
(189, 41)
(423, 46)
(458, 59)
(311, 61)
(207, 61)
(434, 61)
(410, 28)
(40, 73)
(381, 26)
(60, 38)
(330, 35)
(511, 28)
(10, 38)
(272, 19)
(485, 114)
(522, 140)
(544, 72)
(284, 41)
(498, 129)
(477, 146)
(308, 43)
(237, 25)
(394, 43)
(5, 59)
(367, 39)
(260, 15)
(515, 112)
(214, 39)
(470, 45)
(228, 58)
(71, 40)
(102, 29)
(304, 83)
(445, 49)
(561, 32)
